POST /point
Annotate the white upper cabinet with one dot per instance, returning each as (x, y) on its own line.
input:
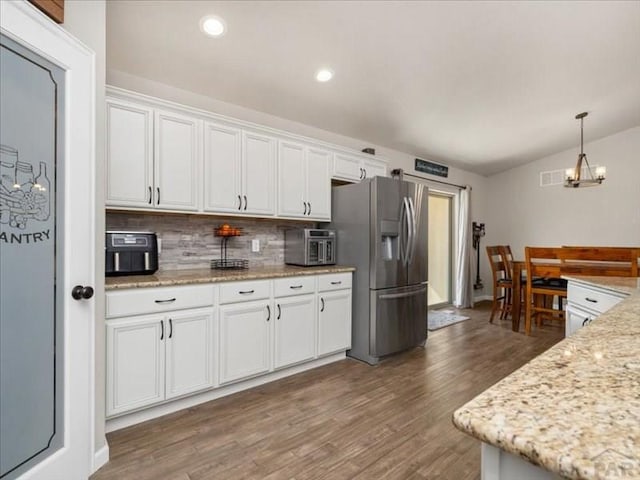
(347, 167)
(374, 168)
(153, 158)
(258, 174)
(222, 168)
(319, 183)
(240, 171)
(354, 169)
(177, 161)
(165, 157)
(304, 186)
(292, 178)
(129, 155)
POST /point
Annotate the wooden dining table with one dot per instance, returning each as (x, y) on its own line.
(556, 270)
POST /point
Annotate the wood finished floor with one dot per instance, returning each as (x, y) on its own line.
(346, 420)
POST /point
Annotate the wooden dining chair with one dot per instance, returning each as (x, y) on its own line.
(502, 284)
(544, 266)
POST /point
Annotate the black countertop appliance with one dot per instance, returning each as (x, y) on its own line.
(131, 253)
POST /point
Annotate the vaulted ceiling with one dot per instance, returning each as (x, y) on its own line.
(479, 85)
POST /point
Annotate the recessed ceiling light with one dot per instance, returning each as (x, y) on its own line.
(213, 26)
(324, 75)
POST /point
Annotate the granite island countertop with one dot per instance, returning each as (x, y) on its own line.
(163, 278)
(575, 409)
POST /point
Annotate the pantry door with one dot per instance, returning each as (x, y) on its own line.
(46, 248)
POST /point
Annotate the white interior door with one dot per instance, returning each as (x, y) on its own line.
(46, 248)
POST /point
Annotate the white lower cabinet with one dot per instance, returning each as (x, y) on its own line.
(135, 363)
(245, 340)
(151, 358)
(586, 301)
(295, 330)
(209, 336)
(334, 321)
(189, 353)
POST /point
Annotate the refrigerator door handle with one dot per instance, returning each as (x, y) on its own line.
(410, 232)
(414, 239)
(403, 295)
(404, 239)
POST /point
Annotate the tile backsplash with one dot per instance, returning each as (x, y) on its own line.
(187, 241)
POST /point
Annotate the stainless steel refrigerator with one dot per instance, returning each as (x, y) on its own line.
(382, 229)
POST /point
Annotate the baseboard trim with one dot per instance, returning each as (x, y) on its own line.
(100, 457)
(482, 298)
(149, 413)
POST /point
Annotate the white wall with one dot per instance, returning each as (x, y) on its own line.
(521, 213)
(86, 20)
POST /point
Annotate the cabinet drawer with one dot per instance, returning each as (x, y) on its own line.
(152, 300)
(594, 300)
(283, 287)
(334, 281)
(244, 291)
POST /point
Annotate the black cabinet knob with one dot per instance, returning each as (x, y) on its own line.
(79, 292)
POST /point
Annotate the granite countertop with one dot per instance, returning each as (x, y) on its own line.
(575, 409)
(165, 278)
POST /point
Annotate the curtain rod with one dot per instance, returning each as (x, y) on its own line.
(399, 171)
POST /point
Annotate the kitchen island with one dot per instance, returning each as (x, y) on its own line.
(574, 411)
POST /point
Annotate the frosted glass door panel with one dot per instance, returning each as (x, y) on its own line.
(440, 211)
(31, 320)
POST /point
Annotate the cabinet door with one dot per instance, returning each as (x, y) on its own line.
(189, 357)
(135, 363)
(319, 183)
(295, 332)
(291, 180)
(576, 319)
(222, 168)
(374, 169)
(346, 167)
(129, 155)
(244, 340)
(334, 322)
(259, 174)
(177, 161)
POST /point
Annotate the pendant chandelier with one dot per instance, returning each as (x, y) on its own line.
(574, 176)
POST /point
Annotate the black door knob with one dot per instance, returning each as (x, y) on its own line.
(79, 292)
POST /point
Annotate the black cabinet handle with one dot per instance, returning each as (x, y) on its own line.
(150, 194)
(170, 328)
(336, 283)
(239, 202)
(361, 173)
(79, 292)
(158, 191)
(295, 287)
(245, 202)
(246, 292)
(161, 330)
(305, 208)
(268, 313)
(309, 209)
(322, 308)
(586, 321)
(365, 172)
(590, 300)
(279, 313)
(169, 300)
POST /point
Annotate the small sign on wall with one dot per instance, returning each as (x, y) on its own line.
(431, 168)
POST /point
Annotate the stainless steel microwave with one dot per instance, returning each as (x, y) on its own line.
(309, 246)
